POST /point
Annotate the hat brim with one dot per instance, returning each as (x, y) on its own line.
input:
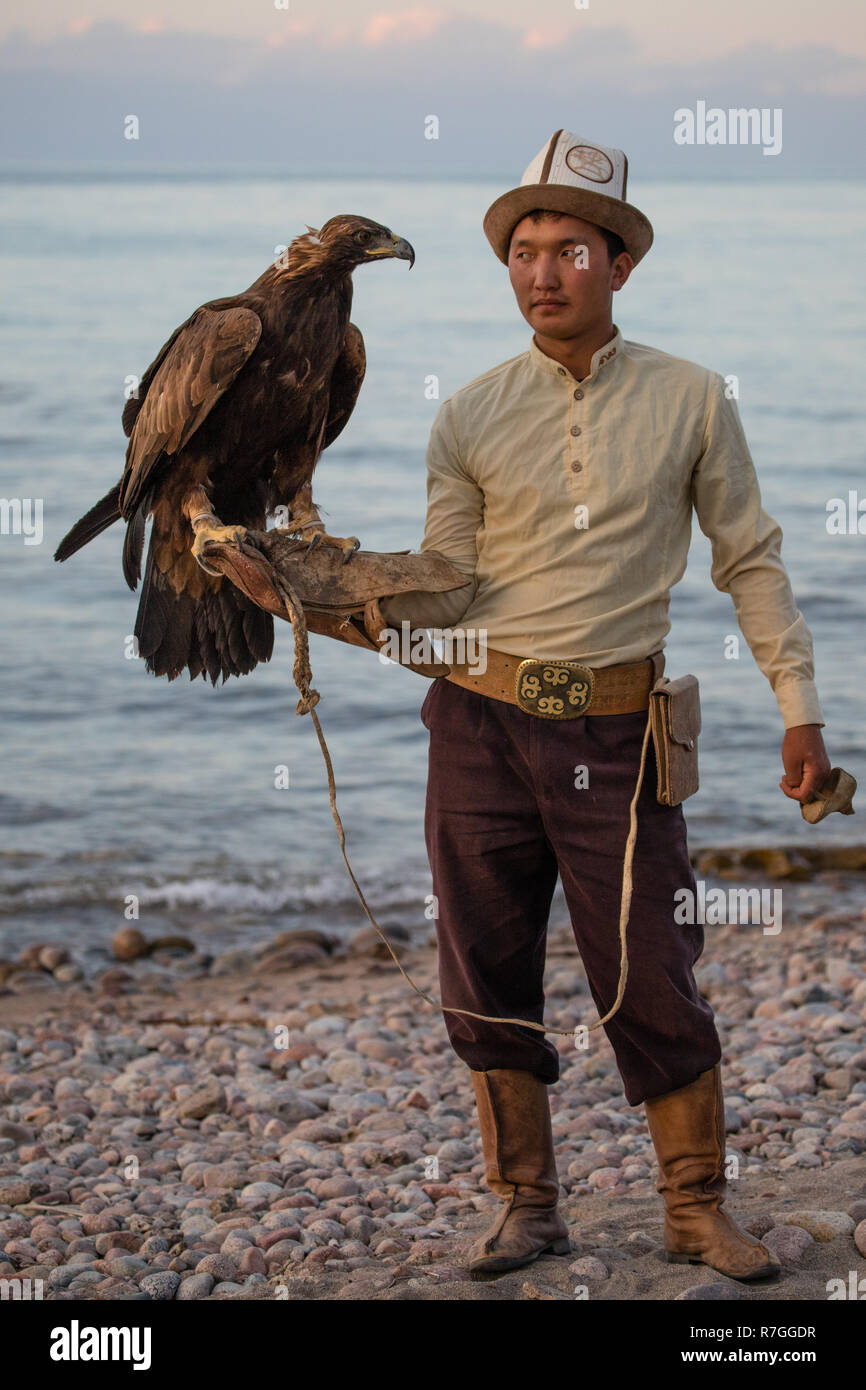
(627, 221)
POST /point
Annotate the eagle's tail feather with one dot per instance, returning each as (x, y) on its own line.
(133, 545)
(104, 514)
(219, 635)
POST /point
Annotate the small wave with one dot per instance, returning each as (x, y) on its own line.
(13, 392)
(266, 896)
(15, 812)
(330, 891)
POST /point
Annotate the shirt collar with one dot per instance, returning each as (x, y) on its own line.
(604, 354)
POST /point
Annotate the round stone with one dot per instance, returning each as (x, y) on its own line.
(822, 1226)
(710, 1293)
(589, 1268)
(252, 1261)
(788, 1243)
(456, 1151)
(128, 944)
(222, 1267)
(196, 1286)
(338, 1186)
(604, 1178)
(161, 1286)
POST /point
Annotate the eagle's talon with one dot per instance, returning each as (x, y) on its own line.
(216, 535)
(346, 544)
(208, 569)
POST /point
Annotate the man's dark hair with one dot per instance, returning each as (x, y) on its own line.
(614, 243)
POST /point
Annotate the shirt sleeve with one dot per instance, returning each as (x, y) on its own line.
(747, 562)
(455, 509)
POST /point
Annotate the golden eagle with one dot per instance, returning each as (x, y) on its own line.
(230, 419)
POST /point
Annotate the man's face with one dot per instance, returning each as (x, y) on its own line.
(561, 274)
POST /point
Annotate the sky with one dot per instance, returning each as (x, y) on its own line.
(345, 85)
(665, 30)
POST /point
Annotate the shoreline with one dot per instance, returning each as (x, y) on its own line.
(198, 936)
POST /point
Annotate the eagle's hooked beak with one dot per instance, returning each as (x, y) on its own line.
(400, 250)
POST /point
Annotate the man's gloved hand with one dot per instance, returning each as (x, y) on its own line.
(805, 761)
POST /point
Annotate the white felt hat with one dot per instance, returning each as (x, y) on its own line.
(575, 176)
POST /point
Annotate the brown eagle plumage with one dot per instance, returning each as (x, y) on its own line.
(230, 419)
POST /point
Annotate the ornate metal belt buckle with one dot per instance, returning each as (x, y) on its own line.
(554, 689)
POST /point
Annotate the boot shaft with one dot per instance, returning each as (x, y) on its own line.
(517, 1135)
(687, 1127)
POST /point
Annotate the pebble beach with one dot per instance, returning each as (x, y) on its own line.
(290, 1122)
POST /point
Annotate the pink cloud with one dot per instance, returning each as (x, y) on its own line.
(288, 30)
(548, 37)
(339, 35)
(404, 27)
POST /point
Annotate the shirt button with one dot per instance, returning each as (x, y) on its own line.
(576, 467)
(578, 395)
(575, 430)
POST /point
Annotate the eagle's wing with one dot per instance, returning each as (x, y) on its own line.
(134, 404)
(346, 382)
(183, 384)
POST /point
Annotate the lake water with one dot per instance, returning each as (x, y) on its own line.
(116, 783)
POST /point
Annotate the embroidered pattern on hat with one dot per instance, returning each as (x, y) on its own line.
(590, 163)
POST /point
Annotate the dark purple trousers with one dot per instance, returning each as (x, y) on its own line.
(503, 816)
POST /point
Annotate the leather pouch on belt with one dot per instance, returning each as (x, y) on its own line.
(675, 710)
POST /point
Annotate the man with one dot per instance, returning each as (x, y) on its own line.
(562, 483)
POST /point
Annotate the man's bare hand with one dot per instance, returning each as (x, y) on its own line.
(805, 760)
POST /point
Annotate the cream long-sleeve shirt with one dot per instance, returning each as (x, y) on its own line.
(568, 503)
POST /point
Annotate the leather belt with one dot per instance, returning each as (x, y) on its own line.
(562, 689)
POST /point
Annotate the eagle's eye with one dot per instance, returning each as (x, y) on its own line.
(363, 237)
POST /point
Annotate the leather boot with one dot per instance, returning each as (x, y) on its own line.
(514, 1115)
(688, 1131)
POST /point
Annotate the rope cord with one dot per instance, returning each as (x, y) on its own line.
(309, 698)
